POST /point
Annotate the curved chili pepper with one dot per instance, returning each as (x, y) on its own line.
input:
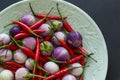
(73, 60)
(24, 34)
(12, 47)
(12, 66)
(40, 22)
(25, 28)
(38, 31)
(66, 25)
(51, 17)
(64, 44)
(21, 35)
(37, 55)
(58, 74)
(37, 49)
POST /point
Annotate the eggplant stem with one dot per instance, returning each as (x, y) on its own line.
(40, 68)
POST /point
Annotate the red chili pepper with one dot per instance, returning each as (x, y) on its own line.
(12, 47)
(82, 61)
(28, 52)
(83, 50)
(12, 66)
(81, 78)
(63, 43)
(66, 25)
(58, 74)
(38, 31)
(59, 78)
(21, 35)
(51, 17)
(40, 22)
(24, 34)
(37, 55)
(37, 49)
(40, 73)
(47, 38)
(73, 60)
(8, 67)
(25, 27)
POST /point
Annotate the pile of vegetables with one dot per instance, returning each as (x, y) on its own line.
(42, 47)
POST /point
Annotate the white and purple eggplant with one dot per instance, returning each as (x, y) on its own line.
(19, 56)
(24, 74)
(29, 64)
(69, 77)
(28, 19)
(45, 27)
(6, 75)
(74, 39)
(61, 54)
(51, 67)
(21, 73)
(59, 35)
(4, 39)
(46, 48)
(14, 30)
(76, 71)
(5, 55)
(29, 42)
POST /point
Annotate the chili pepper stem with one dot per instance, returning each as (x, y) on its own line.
(16, 42)
(7, 25)
(56, 60)
(34, 34)
(48, 13)
(88, 56)
(59, 12)
(32, 9)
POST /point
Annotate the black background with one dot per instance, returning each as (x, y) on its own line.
(106, 13)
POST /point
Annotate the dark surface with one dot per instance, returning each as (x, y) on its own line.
(106, 13)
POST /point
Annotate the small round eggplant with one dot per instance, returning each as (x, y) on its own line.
(6, 55)
(61, 54)
(19, 56)
(28, 19)
(51, 67)
(29, 42)
(4, 39)
(74, 39)
(14, 30)
(29, 64)
(45, 27)
(6, 75)
(76, 71)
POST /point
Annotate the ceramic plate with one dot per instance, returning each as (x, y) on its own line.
(93, 40)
